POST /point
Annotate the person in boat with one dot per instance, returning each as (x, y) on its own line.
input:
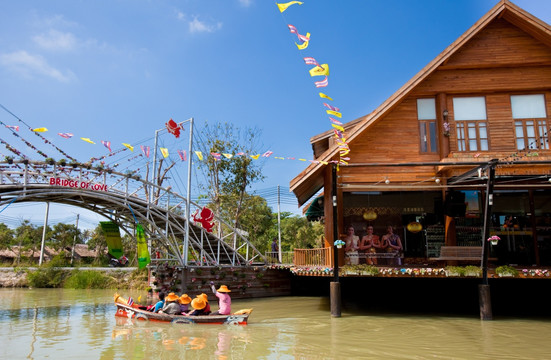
(224, 300)
(207, 307)
(184, 303)
(198, 305)
(172, 305)
(159, 304)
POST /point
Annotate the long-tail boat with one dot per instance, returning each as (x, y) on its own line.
(139, 312)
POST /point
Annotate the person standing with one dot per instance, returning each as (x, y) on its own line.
(369, 245)
(224, 300)
(275, 249)
(352, 246)
(394, 244)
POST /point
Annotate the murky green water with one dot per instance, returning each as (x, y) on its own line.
(41, 324)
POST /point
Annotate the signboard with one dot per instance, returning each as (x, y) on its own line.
(77, 184)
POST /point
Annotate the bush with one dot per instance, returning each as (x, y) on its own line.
(506, 270)
(49, 277)
(88, 280)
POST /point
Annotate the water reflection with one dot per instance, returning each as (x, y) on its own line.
(39, 324)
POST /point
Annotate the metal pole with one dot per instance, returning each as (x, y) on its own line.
(151, 197)
(74, 241)
(279, 226)
(335, 286)
(43, 234)
(484, 299)
(188, 195)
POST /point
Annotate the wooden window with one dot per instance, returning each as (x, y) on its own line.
(426, 114)
(471, 124)
(530, 121)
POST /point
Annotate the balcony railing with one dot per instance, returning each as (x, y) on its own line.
(314, 257)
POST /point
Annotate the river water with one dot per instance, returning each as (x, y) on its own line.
(80, 324)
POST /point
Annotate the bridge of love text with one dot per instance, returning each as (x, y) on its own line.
(77, 184)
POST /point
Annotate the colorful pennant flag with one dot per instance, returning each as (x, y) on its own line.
(335, 121)
(164, 151)
(107, 144)
(87, 140)
(283, 6)
(145, 150)
(65, 135)
(199, 155)
(311, 61)
(13, 127)
(255, 156)
(228, 156)
(129, 147)
(320, 70)
(143, 253)
(331, 107)
(334, 113)
(267, 154)
(182, 154)
(337, 127)
(42, 129)
(322, 83)
(216, 156)
(322, 95)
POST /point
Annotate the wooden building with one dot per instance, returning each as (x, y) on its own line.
(421, 156)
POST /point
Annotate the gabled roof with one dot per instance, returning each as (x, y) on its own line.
(310, 180)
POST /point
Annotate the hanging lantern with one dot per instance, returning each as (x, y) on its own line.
(370, 215)
(414, 227)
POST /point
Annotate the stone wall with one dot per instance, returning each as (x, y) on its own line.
(13, 277)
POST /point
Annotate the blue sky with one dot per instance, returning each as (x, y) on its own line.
(117, 70)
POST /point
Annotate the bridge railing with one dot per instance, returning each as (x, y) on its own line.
(287, 257)
(314, 257)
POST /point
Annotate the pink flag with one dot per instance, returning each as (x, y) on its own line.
(295, 31)
(14, 127)
(335, 121)
(145, 150)
(107, 144)
(217, 156)
(311, 61)
(182, 154)
(322, 83)
(267, 154)
(331, 107)
(65, 135)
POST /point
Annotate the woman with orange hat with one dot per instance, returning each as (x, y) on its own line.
(224, 300)
(198, 305)
(184, 303)
(172, 305)
(207, 307)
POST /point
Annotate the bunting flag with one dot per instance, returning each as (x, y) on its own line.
(65, 135)
(322, 83)
(13, 127)
(145, 150)
(311, 61)
(240, 154)
(112, 237)
(334, 113)
(129, 147)
(283, 6)
(199, 155)
(164, 151)
(338, 127)
(331, 107)
(216, 156)
(267, 154)
(143, 254)
(182, 154)
(130, 301)
(255, 156)
(107, 144)
(320, 70)
(294, 30)
(322, 95)
(335, 121)
(304, 45)
(228, 156)
(41, 129)
(87, 140)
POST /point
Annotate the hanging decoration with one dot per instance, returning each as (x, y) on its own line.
(205, 218)
(41, 129)
(87, 140)
(65, 135)
(164, 151)
(283, 6)
(129, 147)
(107, 144)
(173, 128)
(145, 150)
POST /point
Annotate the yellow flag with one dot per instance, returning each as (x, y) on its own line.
(228, 156)
(199, 155)
(164, 151)
(322, 95)
(304, 45)
(42, 129)
(322, 70)
(255, 156)
(88, 140)
(338, 127)
(302, 159)
(282, 7)
(324, 162)
(130, 147)
(335, 113)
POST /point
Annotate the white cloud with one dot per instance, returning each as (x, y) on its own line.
(29, 65)
(180, 15)
(55, 40)
(197, 26)
(246, 3)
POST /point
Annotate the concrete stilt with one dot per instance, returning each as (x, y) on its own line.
(335, 297)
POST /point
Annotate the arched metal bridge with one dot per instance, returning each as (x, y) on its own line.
(124, 199)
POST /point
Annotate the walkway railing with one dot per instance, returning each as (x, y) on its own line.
(287, 257)
(314, 257)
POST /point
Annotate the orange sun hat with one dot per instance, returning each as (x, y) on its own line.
(224, 288)
(198, 303)
(185, 299)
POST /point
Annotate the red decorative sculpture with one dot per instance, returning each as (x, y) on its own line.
(204, 218)
(173, 128)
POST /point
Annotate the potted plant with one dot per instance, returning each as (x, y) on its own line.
(494, 239)
(472, 270)
(9, 159)
(339, 244)
(50, 161)
(62, 162)
(506, 271)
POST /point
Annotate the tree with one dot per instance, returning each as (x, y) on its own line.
(6, 236)
(97, 242)
(63, 235)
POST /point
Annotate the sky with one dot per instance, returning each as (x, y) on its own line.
(118, 70)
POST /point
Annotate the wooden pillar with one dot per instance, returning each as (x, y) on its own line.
(444, 141)
(328, 205)
(534, 227)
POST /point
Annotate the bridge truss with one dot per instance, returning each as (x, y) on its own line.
(125, 199)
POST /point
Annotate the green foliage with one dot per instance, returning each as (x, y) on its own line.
(472, 270)
(361, 269)
(88, 280)
(455, 270)
(50, 275)
(506, 270)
